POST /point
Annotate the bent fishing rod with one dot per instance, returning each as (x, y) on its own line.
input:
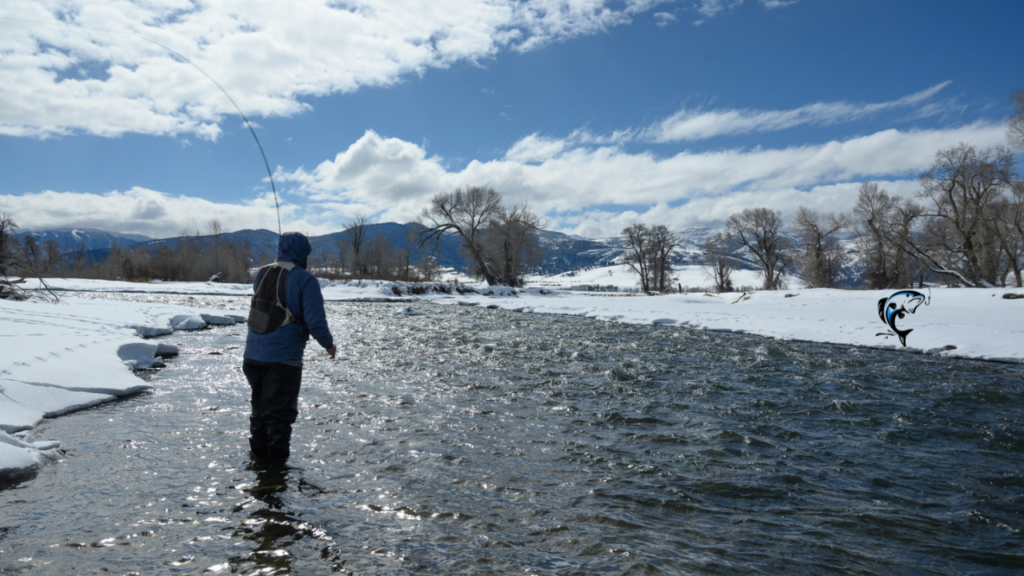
(277, 206)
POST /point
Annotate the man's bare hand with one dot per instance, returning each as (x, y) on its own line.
(332, 351)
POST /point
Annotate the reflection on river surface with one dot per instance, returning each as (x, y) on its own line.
(475, 441)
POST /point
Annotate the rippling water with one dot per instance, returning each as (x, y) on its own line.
(476, 441)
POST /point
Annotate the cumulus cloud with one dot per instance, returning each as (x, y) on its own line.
(108, 67)
(582, 189)
(567, 181)
(149, 212)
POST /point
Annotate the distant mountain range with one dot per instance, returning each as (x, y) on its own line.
(71, 239)
(562, 252)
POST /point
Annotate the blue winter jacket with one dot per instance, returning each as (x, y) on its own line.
(305, 302)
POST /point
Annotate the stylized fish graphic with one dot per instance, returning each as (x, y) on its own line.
(896, 307)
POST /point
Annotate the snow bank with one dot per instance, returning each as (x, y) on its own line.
(57, 358)
(23, 455)
(623, 278)
(958, 323)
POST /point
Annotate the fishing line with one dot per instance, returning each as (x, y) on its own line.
(277, 206)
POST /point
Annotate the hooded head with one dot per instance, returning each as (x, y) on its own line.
(293, 247)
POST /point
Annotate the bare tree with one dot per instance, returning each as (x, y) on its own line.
(465, 213)
(427, 267)
(7, 228)
(879, 233)
(638, 252)
(511, 244)
(718, 261)
(379, 257)
(53, 256)
(79, 255)
(412, 245)
(31, 253)
(187, 253)
(821, 254)
(962, 190)
(661, 243)
(760, 231)
(1011, 231)
(215, 229)
(21, 260)
(355, 234)
(344, 251)
(1015, 125)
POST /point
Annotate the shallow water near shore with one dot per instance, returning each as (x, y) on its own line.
(474, 441)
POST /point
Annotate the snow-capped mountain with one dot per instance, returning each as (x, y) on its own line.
(71, 239)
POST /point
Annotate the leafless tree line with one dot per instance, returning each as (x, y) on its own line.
(500, 243)
(356, 254)
(966, 225)
(193, 258)
(15, 264)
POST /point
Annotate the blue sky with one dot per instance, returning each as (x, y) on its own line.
(596, 114)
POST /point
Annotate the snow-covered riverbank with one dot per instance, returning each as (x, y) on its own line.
(957, 323)
(57, 358)
(61, 357)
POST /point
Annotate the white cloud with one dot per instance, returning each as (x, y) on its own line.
(772, 4)
(561, 178)
(664, 18)
(535, 148)
(592, 191)
(711, 8)
(149, 212)
(698, 125)
(267, 54)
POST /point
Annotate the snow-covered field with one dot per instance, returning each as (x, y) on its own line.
(61, 357)
(622, 277)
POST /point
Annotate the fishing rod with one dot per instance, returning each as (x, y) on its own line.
(277, 206)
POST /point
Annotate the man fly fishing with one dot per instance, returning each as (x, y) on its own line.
(287, 308)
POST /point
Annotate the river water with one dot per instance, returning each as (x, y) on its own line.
(473, 441)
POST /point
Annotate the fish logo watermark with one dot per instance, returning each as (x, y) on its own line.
(896, 307)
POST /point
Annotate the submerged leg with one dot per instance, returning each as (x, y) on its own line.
(280, 408)
(257, 426)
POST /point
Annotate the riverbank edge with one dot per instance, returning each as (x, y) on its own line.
(31, 454)
(1003, 340)
(28, 398)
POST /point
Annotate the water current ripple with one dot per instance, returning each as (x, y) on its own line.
(472, 441)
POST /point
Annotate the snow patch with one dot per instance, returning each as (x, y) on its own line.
(58, 358)
(151, 331)
(220, 319)
(188, 322)
(20, 456)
